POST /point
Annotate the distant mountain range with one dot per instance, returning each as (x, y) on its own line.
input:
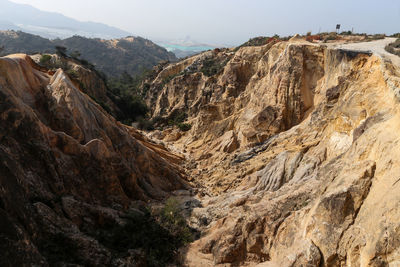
(113, 57)
(181, 50)
(51, 25)
(185, 47)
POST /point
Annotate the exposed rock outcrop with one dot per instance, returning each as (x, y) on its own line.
(295, 145)
(67, 169)
(87, 79)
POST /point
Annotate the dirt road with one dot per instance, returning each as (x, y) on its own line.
(376, 47)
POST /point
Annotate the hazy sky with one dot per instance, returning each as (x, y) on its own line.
(230, 21)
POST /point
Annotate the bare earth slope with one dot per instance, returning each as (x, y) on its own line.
(294, 151)
(296, 147)
(67, 169)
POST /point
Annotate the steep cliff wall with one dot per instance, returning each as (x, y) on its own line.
(293, 154)
(68, 169)
(295, 146)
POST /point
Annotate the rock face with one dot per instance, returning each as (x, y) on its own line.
(260, 92)
(86, 79)
(296, 147)
(68, 168)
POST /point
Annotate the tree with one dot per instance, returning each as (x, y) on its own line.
(61, 51)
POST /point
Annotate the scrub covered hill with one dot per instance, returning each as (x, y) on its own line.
(114, 57)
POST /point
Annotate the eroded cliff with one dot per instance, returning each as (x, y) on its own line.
(294, 146)
(292, 156)
(68, 170)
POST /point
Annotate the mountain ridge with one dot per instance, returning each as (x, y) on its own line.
(23, 16)
(113, 57)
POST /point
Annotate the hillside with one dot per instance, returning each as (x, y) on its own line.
(284, 153)
(131, 54)
(113, 57)
(73, 180)
(293, 145)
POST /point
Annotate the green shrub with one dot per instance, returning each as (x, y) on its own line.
(145, 124)
(346, 33)
(73, 74)
(143, 232)
(44, 59)
(61, 51)
(331, 36)
(376, 37)
(396, 44)
(169, 78)
(129, 97)
(212, 66)
(257, 41)
(132, 106)
(178, 117)
(158, 236)
(184, 127)
(394, 48)
(172, 219)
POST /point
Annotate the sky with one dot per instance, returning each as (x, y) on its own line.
(230, 22)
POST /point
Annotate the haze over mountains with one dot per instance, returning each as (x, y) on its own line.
(51, 25)
(21, 17)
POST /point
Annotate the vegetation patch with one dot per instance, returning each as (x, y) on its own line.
(177, 119)
(184, 127)
(44, 59)
(261, 40)
(123, 90)
(375, 37)
(73, 74)
(158, 236)
(169, 78)
(129, 97)
(132, 56)
(394, 48)
(212, 66)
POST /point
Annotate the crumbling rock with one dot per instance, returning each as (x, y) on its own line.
(312, 180)
(68, 168)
